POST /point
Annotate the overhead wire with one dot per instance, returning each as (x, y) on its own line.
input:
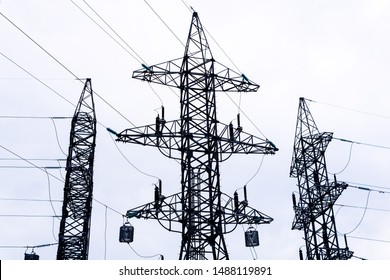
(138, 58)
(61, 97)
(238, 69)
(369, 239)
(363, 215)
(361, 207)
(369, 189)
(348, 162)
(154, 11)
(29, 199)
(27, 216)
(50, 199)
(63, 66)
(360, 143)
(128, 161)
(31, 163)
(37, 79)
(367, 185)
(26, 246)
(55, 177)
(34, 165)
(59, 93)
(58, 140)
(349, 109)
(105, 233)
(250, 120)
(145, 257)
(257, 171)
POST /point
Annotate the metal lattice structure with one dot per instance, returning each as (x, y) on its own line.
(314, 211)
(200, 212)
(77, 205)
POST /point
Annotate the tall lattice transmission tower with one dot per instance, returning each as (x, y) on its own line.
(314, 211)
(200, 212)
(74, 231)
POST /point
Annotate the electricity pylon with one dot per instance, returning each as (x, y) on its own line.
(314, 210)
(73, 241)
(200, 210)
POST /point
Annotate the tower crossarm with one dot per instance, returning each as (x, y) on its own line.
(322, 199)
(167, 210)
(169, 73)
(242, 213)
(167, 137)
(234, 140)
(164, 135)
(307, 151)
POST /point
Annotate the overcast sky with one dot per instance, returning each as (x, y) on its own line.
(332, 52)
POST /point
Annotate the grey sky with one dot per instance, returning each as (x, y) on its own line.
(333, 52)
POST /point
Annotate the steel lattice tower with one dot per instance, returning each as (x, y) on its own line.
(200, 211)
(314, 210)
(77, 204)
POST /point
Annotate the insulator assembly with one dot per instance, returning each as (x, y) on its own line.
(251, 237)
(126, 233)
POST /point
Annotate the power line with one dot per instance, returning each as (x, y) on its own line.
(140, 60)
(361, 207)
(257, 171)
(28, 167)
(55, 177)
(348, 162)
(36, 43)
(112, 209)
(145, 257)
(32, 117)
(26, 247)
(360, 143)
(50, 199)
(128, 161)
(211, 36)
(36, 78)
(368, 185)
(27, 216)
(105, 233)
(237, 105)
(120, 37)
(94, 21)
(34, 159)
(369, 239)
(164, 23)
(31, 163)
(364, 214)
(250, 120)
(58, 140)
(28, 199)
(349, 109)
(369, 189)
(63, 66)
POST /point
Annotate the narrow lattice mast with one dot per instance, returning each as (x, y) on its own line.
(201, 211)
(314, 210)
(77, 204)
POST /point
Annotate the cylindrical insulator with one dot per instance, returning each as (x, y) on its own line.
(156, 196)
(294, 200)
(236, 203)
(157, 124)
(300, 255)
(231, 131)
(162, 112)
